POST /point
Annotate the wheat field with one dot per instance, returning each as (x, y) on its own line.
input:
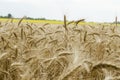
(68, 51)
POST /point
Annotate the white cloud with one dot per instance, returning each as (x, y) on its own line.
(90, 9)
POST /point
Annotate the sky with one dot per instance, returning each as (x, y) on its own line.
(90, 10)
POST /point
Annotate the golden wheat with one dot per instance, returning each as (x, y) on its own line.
(30, 51)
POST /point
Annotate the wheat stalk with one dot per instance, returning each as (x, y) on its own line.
(20, 21)
(65, 23)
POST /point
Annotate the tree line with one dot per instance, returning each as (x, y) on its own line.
(11, 16)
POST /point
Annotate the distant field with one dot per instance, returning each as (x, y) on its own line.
(43, 21)
(32, 21)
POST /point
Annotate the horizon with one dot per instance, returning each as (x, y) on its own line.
(90, 10)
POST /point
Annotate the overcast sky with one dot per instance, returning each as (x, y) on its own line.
(91, 10)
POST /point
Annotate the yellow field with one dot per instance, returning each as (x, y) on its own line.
(33, 21)
(42, 21)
